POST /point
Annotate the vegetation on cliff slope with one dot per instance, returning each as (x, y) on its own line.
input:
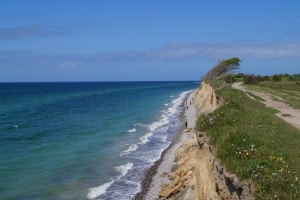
(255, 144)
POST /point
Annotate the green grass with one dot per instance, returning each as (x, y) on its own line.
(287, 90)
(255, 144)
(218, 84)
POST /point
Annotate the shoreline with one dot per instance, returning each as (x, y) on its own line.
(189, 168)
(157, 175)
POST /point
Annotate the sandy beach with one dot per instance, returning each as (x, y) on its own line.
(188, 169)
(168, 159)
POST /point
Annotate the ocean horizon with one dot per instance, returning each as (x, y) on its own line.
(85, 140)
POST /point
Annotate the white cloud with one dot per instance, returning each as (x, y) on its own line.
(174, 51)
(171, 52)
(30, 31)
(220, 50)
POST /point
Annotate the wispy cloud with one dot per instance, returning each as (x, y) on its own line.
(176, 51)
(220, 50)
(30, 31)
(183, 51)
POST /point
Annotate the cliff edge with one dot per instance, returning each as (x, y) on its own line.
(205, 99)
(197, 173)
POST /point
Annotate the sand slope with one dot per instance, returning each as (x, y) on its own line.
(189, 169)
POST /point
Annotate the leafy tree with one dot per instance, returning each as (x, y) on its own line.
(222, 68)
(231, 64)
(277, 78)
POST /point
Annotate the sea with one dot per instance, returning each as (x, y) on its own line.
(85, 140)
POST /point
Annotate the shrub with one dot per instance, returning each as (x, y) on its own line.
(230, 78)
(240, 75)
(250, 79)
(277, 78)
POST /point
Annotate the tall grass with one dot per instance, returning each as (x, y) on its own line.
(255, 144)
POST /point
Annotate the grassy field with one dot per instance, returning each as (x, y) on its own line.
(287, 90)
(255, 144)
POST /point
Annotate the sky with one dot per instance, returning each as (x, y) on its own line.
(139, 40)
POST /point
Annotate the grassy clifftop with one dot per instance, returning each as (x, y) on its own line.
(255, 144)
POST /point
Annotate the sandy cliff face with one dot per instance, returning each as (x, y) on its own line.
(205, 100)
(197, 173)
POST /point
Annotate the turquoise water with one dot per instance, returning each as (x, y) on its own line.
(92, 140)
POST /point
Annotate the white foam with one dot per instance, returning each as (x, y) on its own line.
(144, 139)
(163, 129)
(123, 169)
(176, 103)
(131, 130)
(149, 156)
(131, 148)
(133, 183)
(159, 123)
(141, 125)
(164, 117)
(153, 155)
(97, 191)
(164, 138)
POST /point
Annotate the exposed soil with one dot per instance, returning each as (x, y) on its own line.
(197, 174)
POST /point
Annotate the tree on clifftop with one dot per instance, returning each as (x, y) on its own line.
(222, 68)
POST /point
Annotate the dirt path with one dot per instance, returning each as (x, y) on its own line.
(286, 112)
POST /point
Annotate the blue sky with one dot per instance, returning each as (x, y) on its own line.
(109, 40)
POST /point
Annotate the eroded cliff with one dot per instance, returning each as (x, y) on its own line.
(205, 99)
(197, 173)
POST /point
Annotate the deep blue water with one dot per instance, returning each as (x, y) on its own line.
(84, 140)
